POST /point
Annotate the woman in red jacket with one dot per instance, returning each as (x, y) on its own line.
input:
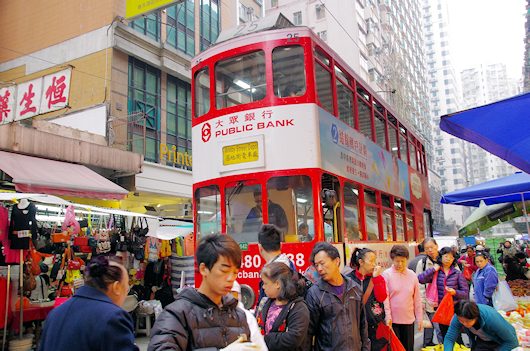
(368, 275)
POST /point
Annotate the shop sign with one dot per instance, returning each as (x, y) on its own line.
(135, 8)
(240, 153)
(171, 155)
(35, 97)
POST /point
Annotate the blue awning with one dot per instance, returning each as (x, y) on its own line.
(506, 189)
(502, 128)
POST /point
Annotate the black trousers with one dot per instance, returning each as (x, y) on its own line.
(444, 329)
(405, 334)
(481, 345)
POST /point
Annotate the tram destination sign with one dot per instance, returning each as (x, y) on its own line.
(240, 153)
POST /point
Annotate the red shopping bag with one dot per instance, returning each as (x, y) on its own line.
(395, 344)
(445, 310)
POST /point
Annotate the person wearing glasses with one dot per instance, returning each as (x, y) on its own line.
(93, 319)
(337, 319)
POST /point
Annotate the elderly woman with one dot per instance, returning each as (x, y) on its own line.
(449, 280)
(93, 319)
(404, 297)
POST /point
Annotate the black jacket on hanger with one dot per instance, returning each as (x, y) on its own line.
(22, 220)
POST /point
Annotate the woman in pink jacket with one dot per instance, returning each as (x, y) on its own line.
(404, 305)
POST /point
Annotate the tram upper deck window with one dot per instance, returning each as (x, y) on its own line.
(323, 80)
(240, 80)
(202, 92)
(289, 71)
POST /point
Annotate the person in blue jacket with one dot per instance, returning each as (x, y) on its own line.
(92, 320)
(485, 280)
(486, 328)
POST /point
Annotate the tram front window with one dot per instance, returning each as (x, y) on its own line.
(288, 67)
(208, 207)
(290, 207)
(240, 80)
(243, 211)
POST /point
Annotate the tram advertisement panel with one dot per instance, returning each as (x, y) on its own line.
(350, 154)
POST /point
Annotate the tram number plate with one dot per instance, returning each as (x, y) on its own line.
(240, 153)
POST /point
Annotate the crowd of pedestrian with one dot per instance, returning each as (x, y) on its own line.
(358, 309)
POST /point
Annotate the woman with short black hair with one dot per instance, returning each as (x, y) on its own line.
(403, 296)
(93, 319)
(449, 280)
(486, 328)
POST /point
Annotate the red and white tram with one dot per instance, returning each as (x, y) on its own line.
(281, 123)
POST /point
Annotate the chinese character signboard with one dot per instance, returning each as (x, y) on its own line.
(28, 99)
(35, 97)
(7, 104)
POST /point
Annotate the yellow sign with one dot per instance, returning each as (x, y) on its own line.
(135, 8)
(240, 153)
(172, 155)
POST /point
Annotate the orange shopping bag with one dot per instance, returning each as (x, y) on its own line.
(395, 344)
(445, 310)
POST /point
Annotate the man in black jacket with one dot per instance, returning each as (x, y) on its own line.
(337, 320)
(206, 318)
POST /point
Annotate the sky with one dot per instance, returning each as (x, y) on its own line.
(487, 31)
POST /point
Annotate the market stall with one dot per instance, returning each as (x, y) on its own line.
(48, 240)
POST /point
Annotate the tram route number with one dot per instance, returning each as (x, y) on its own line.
(255, 261)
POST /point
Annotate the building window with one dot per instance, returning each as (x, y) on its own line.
(245, 13)
(274, 3)
(297, 18)
(178, 119)
(181, 27)
(323, 35)
(210, 22)
(143, 109)
(320, 11)
(148, 25)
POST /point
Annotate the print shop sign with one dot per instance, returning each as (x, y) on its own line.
(35, 97)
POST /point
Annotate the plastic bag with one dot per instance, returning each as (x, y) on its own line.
(431, 292)
(503, 298)
(395, 344)
(445, 311)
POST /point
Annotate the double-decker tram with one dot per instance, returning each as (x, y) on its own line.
(284, 132)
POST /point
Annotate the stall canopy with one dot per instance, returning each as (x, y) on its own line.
(38, 175)
(513, 188)
(501, 128)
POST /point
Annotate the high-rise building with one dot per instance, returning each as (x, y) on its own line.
(129, 89)
(380, 40)
(449, 159)
(526, 65)
(482, 85)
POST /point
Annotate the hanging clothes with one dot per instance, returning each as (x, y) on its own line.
(23, 227)
(152, 248)
(165, 249)
(10, 256)
(188, 245)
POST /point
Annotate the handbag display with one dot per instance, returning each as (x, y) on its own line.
(60, 237)
(81, 241)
